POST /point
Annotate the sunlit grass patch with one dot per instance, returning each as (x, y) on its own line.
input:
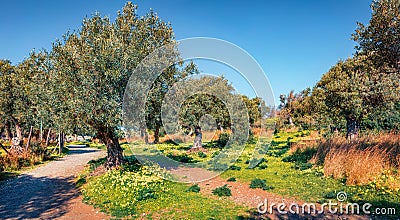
(138, 194)
(287, 171)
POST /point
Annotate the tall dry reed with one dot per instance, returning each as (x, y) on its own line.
(359, 161)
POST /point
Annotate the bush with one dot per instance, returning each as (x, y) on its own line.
(277, 153)
(234, 167)
(222, 191)
(214, 154)
(131, 163)
(262, 166)
(36, 155)
(183, 158)
(259, 183)
(194, 188)
(232, 179)
(223, 139)
(201, 154)
(331, 195)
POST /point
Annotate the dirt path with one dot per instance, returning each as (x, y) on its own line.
(48, 192)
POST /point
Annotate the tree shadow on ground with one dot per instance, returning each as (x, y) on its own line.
(27, 197)
(80, 149)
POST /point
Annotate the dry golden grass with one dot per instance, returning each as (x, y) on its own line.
(358, 166)
(359, 161)
(14, 162)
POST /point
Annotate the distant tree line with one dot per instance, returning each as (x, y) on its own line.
(361, 92)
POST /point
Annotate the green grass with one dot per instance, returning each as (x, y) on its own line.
(292, 176)
(285, 174)
(175, 203)
(133, 192)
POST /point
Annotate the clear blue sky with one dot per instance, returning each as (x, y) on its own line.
(294, 41)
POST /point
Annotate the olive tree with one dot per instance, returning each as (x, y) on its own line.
(92, 66)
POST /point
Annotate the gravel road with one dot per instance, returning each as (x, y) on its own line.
(48, 192)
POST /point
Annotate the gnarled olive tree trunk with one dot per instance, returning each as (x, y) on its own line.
(198, 138)
(61, 142)
(16, 146)
(48, 138)
(353, 126)
(144, 134)
(17, 141)
(7, 129)
(18, 131)
(28, 141)
(114, 150)
(157, 135)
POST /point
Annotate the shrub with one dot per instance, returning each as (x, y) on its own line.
(194, 188)
(201, 154)
(232, 179)
(183, 158)
(223, 139)
(330, 195)
(262, 166)
(222, 191)
(214, 154)
(172, 142)
(259, 183)
(94, 164)
(36, 155)
(234, 167)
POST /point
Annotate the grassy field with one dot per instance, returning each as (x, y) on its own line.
(293, 176)
(136, 193)
(286, 172)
